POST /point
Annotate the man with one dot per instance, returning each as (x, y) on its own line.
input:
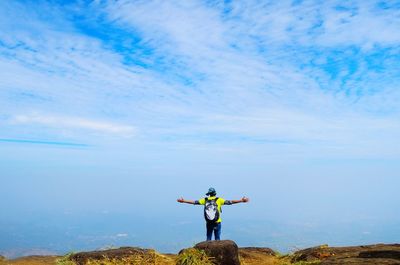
(212, 211)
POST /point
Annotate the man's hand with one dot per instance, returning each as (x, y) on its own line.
(244, 199)
(181, 200)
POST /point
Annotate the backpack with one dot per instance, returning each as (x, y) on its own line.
(211, 213)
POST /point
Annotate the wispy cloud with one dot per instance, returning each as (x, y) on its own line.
(76, 123)
(270, 51)
(264, 72)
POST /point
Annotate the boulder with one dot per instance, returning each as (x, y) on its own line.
(224, 252)
(120, 253)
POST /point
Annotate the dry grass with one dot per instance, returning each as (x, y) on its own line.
(33, 260)
(149, 258)
(257, 258)
(260, 258)
(259, 261)
(188, 257)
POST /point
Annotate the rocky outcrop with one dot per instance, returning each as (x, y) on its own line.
(384, 254)
(247, 251)
(223, 252)
(226, 252)
(259, 256)
(81, 258)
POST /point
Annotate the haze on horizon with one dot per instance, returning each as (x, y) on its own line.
(110, 110)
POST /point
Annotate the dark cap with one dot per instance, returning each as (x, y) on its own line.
(211, 191)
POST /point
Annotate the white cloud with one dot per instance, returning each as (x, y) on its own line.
(259, 49)
(64, 122)
(209, 72)
(313, 23)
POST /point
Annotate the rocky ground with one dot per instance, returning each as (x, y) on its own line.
(382, 254)
(227, 253)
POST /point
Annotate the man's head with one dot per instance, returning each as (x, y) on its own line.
(211, 192)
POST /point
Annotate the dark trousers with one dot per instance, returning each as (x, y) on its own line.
(213, 227)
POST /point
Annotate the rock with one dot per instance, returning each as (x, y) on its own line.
(224, 252)
(384, 254)
(380, 254)
(249, 250)
(258, 255)
(313, 254)
(124, 252)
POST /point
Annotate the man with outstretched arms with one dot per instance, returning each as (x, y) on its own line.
(212, 211)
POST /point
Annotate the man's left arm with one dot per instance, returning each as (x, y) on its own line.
(230, 202)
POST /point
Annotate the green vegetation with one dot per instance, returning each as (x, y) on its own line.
(286, 259)
(315, 262)
(287, 262)
(193, 256)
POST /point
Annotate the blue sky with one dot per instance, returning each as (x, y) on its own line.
(292, 103)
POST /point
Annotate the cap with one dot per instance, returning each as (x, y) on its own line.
(211, 191)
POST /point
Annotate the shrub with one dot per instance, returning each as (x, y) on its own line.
(287, 262)
(193, 256)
